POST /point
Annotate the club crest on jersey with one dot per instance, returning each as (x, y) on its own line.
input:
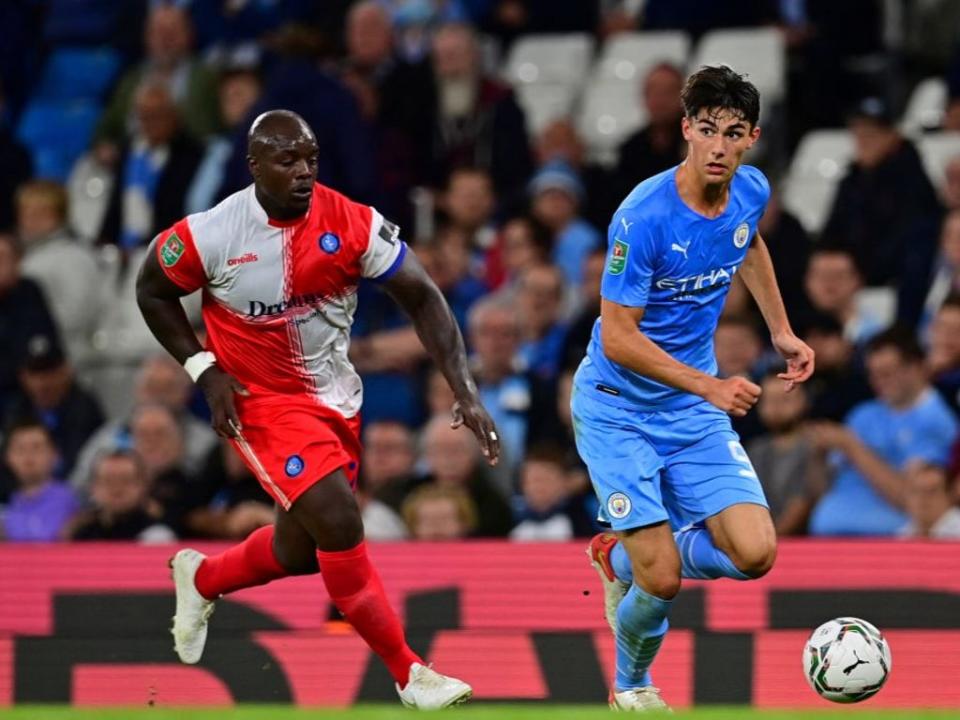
(741, 235)
(294, 466)
(172, 250)
(619, 506)
(618, 257)
(329, 243)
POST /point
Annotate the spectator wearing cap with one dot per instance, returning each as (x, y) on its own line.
(66, 270)
(50, 392)
(865, 457)
(23, 314)
(885, 210)
(41, 506)
(556, 194)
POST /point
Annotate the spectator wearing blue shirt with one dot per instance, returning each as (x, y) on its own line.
(539, 305)
(907, 421)
(556, 196)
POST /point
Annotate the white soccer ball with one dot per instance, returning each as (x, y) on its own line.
(846, 660)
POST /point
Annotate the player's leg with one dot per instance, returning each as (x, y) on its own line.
(642, 614)
(328, 511)
(745, 533)
(200, 580)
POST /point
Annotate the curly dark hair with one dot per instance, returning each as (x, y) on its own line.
(718, 87)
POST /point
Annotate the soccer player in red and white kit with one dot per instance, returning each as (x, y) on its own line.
(279, 264)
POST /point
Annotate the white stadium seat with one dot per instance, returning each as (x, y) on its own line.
(818, 165)
(756, 52)
(543, 102)
(609, 112)
(936, 150)
(926, 105)
(628, 57)
(549, 59)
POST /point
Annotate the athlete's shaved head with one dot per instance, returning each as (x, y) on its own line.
(282, 156)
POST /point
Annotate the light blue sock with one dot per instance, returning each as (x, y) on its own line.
(620, 562)
(700, 559)
(641, 625)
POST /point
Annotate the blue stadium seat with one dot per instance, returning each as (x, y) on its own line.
(78, 74)
(57, 133)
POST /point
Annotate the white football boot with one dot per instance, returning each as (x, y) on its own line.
(193, 610)
(645, 699)
(429, 690)
(613, 588)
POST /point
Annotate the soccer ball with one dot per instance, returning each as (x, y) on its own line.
(846, 660)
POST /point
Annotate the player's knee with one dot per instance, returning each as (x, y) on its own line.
(755, 560)
(662, 583)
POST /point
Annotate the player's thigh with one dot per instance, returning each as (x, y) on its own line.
(710, 473)
(654, 558)
(293, 546)
(328, 511)
(745, 532)
(624, 468)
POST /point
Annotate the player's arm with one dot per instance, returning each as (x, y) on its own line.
(158, 298)
(625, 344)
(416, 293)
(758, 276)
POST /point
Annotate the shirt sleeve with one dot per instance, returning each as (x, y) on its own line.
(631, 261)
(385, 250)
(178, 257)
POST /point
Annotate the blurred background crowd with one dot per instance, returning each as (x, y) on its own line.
(500, 135)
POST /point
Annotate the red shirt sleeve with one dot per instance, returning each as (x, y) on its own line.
(178, 257)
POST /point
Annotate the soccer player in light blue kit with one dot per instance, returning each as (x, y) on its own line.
(650, 416)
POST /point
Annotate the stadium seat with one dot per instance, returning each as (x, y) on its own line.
(78, 74)
(628, 57)
(543, 102)
(937, 149)
(56, 133)
(925, 107)
(818, 165)
(609, 112)
(562, 59)
(757, 52)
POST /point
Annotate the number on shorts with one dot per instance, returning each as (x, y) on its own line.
(740, 456)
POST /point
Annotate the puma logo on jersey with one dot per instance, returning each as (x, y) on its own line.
(243, 259)
(682, 249)
(626, 225)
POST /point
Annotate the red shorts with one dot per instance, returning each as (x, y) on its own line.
(289, 442)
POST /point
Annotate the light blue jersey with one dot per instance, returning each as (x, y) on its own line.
(678, 264)
(656, 453)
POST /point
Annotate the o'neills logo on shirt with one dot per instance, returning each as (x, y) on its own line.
(258, 308)
(242, 260)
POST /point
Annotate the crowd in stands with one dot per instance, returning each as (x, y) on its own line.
(104, 437)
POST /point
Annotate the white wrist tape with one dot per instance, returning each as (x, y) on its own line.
(197, 363)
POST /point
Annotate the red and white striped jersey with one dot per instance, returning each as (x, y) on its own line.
(279, 296)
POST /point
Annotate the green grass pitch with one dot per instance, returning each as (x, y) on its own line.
(476, 712)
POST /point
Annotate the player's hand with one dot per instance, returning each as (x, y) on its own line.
(799, 357)
(219, 388)
(472, 414)
(247, 517)
(734, 395)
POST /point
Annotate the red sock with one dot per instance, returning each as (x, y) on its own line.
(356, 590)
(250, 563)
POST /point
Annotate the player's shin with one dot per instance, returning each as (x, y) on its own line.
(641, 625)
(356, 590)
(702, 560)
(250, 563)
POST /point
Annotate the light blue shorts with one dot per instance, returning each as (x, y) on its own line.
(677, 465)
